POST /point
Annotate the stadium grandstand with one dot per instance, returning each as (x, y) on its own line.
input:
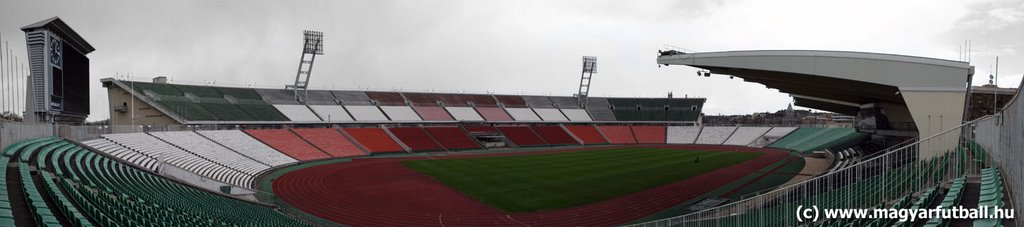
(205, 155)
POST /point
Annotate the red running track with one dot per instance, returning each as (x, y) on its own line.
(382, 192)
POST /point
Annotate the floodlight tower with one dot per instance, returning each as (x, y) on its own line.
(589, 68)
(312, 46)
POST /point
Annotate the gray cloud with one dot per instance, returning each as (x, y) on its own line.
(502, 46)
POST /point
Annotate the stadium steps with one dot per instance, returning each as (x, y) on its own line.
(452, 138)
(649, 134)
(586, 134)
(618, 134)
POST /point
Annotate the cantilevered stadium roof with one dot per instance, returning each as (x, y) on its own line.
(835, 81)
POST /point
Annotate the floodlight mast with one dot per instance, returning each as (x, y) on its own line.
(312, 46)
(589, 68)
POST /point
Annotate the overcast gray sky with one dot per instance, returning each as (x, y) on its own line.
(520, 46)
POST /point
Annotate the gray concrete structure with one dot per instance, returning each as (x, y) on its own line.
(925, 91)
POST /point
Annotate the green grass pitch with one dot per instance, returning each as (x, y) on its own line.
(562, 180)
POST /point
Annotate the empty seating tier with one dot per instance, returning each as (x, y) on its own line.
(248, 146)
(563, 102)
(331, 113)
(649, 134)
(511, 101)
(386, 98)
(453, 99)
(554, 135)
(277, 96)
(353, 98)
(375, 140)
(682, 134)
(493, 114)
(522, 114)
(483, 100)
(366, 113)
(297, 112)
(288, 143)
(415, 138)
(156, 149)
(199, 145)
(452, 138)
(433, 113)
(812, 139)
(113, 194)
(316, 97)
(240, 93)
(538, 102)
(599, 109)
(464, 113)
(422, 99)
(576, 114)
(587, 134)
(400, 113)
(330, 140)
(746, 135)
(714, 135)
(550, 114)
(522, 135)
(618, 134)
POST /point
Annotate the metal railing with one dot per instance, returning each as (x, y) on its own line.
(873, 182)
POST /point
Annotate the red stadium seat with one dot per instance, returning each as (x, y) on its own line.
(587, 133)
(554, 135)
(493, 114)
(288, 143)
(330, 140)
(374, 139)
(387, 98)
(433, 113)
(452, 138)
(649, 134)
(618, 134)
(522, 135)
(416, 139)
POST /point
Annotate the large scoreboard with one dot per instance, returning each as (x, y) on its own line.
(59, 81)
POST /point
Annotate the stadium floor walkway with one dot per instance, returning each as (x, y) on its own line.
(376, 192)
